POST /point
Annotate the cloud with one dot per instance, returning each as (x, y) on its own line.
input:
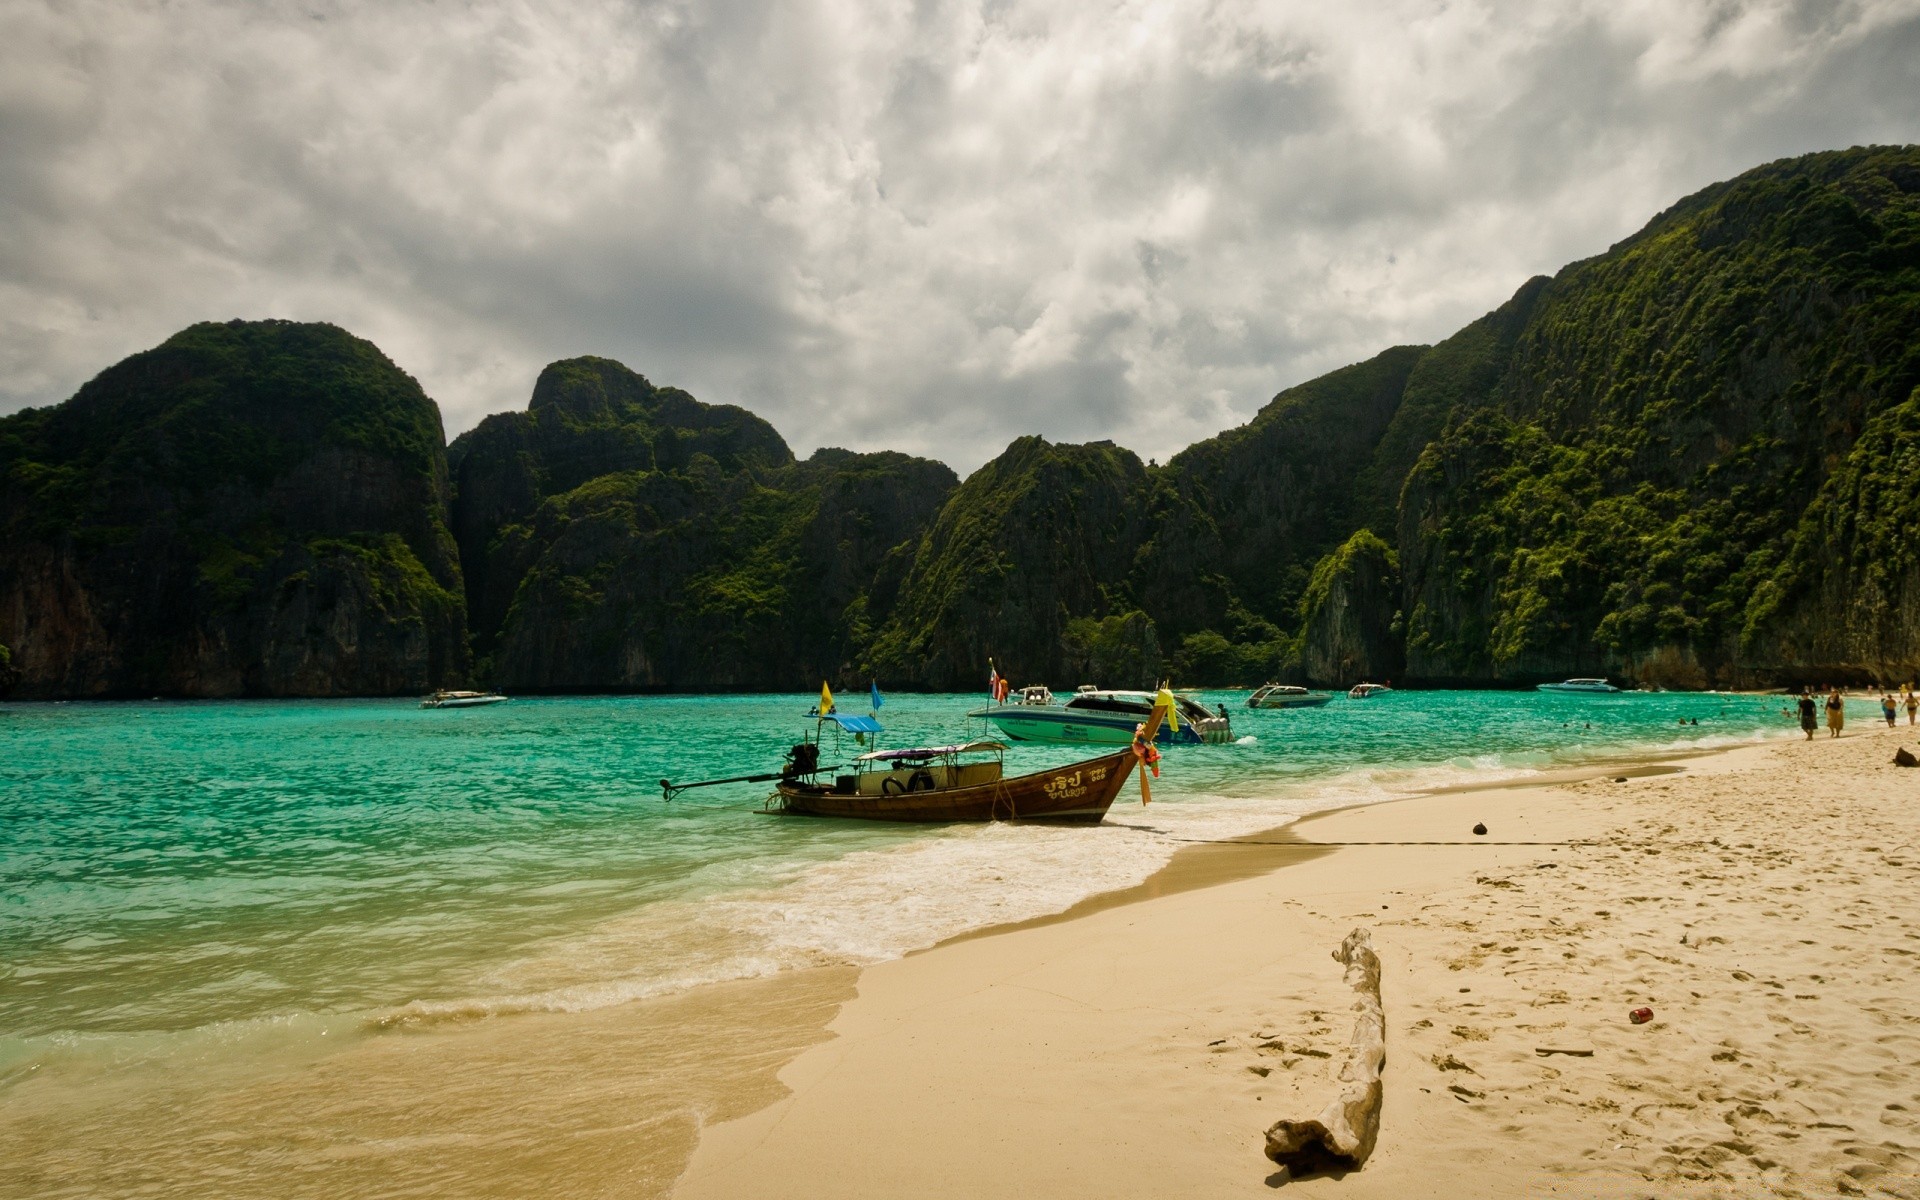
(926, 226)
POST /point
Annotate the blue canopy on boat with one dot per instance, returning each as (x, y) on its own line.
(850, 722)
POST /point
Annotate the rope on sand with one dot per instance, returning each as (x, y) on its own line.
(1296, 842)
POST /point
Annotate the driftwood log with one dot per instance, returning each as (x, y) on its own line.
(1343, 1134)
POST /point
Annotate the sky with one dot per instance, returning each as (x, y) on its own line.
(930, 227)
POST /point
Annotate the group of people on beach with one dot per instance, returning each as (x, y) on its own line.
(1837, 709)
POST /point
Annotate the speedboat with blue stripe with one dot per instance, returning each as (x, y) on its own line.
(1103, 718)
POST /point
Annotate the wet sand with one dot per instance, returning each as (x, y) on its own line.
(606, 1103)
(1764, 902)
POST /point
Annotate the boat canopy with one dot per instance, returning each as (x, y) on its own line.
(928, 752)
(851, 722)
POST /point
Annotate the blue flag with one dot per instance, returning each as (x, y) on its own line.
(877, 701)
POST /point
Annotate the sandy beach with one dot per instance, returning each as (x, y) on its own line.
(1764, 902)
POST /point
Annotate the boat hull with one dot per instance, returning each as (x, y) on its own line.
(1078, 793)
(1293, 702)
(473, 702)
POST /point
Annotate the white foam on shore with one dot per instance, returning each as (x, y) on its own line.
(873, 905)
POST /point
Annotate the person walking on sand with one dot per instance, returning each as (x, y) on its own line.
(1888, 708)
(1809, 714)
(1836, 713)
(1913, 704)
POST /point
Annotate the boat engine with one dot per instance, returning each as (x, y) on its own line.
(802, 759)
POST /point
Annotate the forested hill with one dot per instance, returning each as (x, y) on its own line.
(1692, 460)
(620, 536)
(255, 508)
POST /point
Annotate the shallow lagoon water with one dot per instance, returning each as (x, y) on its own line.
(229, 893)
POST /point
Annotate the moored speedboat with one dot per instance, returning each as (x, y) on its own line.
(446, 699)
(1579, 685)
(1107, 718)
(1360, 691)
(1281, 695)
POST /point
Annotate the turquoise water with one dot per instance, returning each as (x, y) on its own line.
(168, 868)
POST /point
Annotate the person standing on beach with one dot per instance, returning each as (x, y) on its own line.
(1809, 715)
(1888, 708)
(1913, 704)
(1836, 713)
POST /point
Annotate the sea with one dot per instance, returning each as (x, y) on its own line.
(360, 948)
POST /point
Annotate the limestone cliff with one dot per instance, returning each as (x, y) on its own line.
(254, 508)
(1693, 459)
(1349, 627)
(1692, 449)
(708, 580)
(588, 418)
(1041, 536)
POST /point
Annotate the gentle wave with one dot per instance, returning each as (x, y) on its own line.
(873, 905)
(367, 859)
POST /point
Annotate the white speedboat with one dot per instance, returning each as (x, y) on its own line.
(1579, 685)
(446, 699)
(1360, 691)
(1103, 718)
(1281, 695)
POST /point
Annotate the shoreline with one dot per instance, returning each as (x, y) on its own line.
(1210, 879)
(1210, 862)
(629, 1085)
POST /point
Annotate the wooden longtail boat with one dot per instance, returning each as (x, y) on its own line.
(935, 785)
(938, 784)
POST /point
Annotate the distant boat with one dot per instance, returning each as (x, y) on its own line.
(446, 699)
(1579, 685)
(1360, 691)
(1102, 718)
(1280, 695)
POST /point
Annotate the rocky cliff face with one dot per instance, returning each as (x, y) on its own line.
(1039, 537)
(1687, 460)
(1693, 459)
(1845, 603)
(255, 508)
(1349, 628)
(588, 418)
(704, 579)
(1686, 451)
(622, 536)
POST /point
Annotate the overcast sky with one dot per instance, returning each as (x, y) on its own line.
(930, 227)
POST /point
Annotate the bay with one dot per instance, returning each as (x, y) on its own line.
(203, 898)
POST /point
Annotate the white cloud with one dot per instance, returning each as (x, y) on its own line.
(925, 226)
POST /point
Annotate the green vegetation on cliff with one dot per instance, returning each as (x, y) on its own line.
(1038, 538)
(1349, 617)
(250, 508)
(1687, 459)
(1692, 459)
(1643, 477)
(624, 536)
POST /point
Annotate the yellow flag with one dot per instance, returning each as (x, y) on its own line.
(826, 699)
(1164, 699)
